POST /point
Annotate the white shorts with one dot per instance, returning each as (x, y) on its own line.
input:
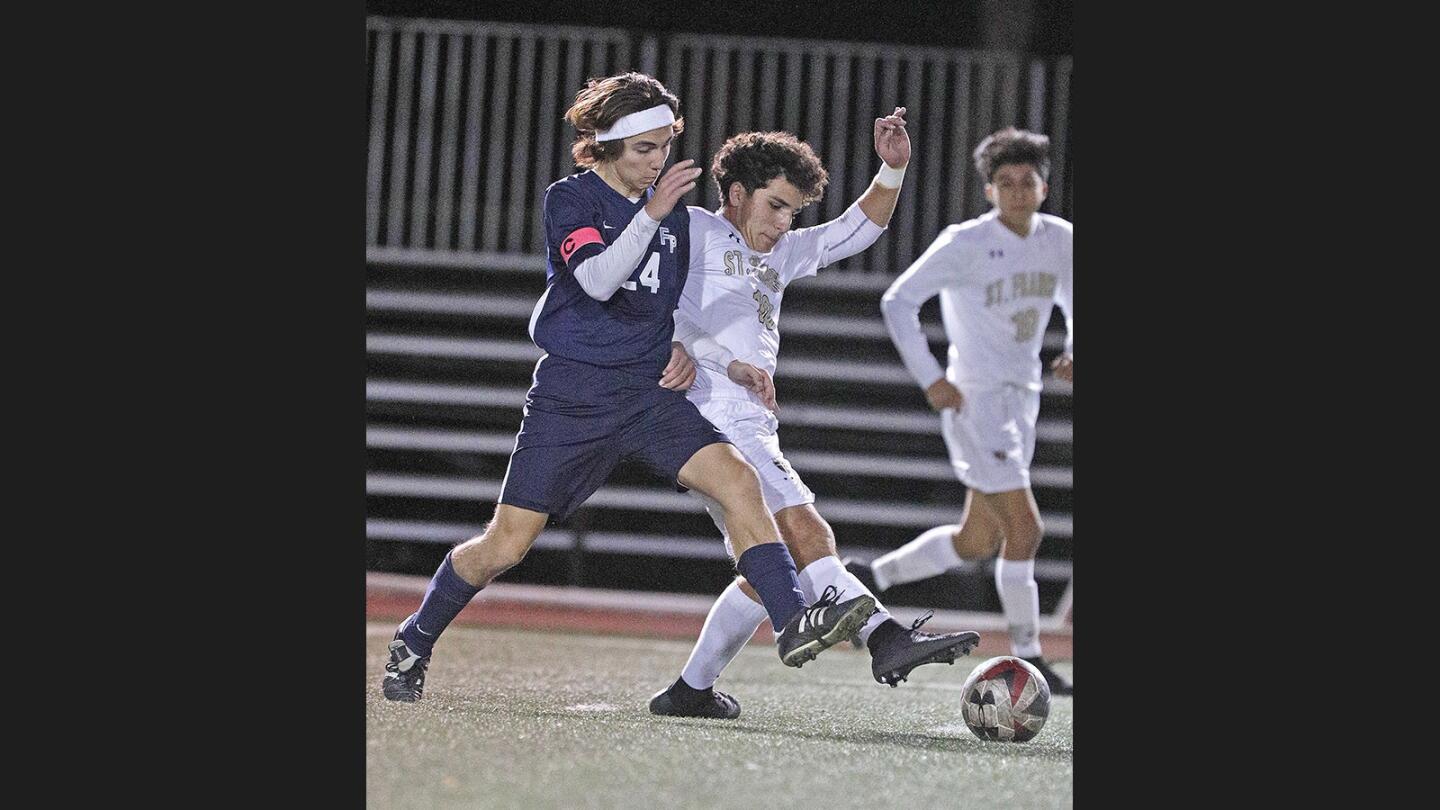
(991, 437)
(751, 428)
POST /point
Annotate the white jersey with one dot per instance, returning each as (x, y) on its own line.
(996, 293)
(733, 293)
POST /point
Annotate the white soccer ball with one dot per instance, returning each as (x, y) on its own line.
(1005, 699)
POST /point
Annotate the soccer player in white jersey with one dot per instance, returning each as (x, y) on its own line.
(997, 276)
(743, 257)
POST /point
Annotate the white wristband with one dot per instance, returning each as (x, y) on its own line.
(889, 177)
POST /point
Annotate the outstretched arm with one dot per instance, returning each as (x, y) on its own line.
(892, 144)
(866, 218)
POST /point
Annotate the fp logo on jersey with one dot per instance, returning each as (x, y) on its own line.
(667, 238)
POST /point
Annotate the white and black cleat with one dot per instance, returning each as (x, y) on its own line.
(822, 625)
(404, 674)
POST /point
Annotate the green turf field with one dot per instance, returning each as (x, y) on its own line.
(541, 720)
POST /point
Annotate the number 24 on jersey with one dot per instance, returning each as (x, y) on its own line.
(649, 276)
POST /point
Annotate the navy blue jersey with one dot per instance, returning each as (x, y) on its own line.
(583, 215)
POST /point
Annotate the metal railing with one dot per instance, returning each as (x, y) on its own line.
(466, 126)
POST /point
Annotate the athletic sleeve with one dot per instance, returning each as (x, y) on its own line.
(601, 275)
(572, 229)
(700, 346)
(939, 266)
(689, 314)
(829, 242)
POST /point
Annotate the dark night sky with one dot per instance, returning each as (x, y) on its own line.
(947, 24)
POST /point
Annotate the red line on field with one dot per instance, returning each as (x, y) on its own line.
(492, 609)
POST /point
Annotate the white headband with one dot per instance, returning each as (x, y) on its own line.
(658, 116)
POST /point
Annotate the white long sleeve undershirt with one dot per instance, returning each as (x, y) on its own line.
(602, 274)
(900, 308)
(701, 346)
(854, 231)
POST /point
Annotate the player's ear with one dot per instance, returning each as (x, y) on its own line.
(735, 194)
(990, 193)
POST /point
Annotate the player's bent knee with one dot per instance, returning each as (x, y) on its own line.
(739, 486)
(719, 471)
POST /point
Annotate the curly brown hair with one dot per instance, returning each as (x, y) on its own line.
(1011, 145)
(753, 159)
(602, 102)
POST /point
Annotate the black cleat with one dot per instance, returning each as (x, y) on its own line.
(404, 674)
(898, 651)
(822, 625)
(712, 704)
(1058, 685)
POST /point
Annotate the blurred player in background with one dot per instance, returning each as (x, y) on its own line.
(609, 385)
(998, 277)
(744, 255)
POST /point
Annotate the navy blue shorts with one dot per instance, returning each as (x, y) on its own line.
(581, 420)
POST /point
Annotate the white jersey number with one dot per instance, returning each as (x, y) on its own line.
(650, 276)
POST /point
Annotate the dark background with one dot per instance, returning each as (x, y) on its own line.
(250, 612)
(1034, 26)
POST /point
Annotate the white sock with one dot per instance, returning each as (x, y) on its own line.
(927, 555)
(827, 571)
(732, 621)
(1019, 596)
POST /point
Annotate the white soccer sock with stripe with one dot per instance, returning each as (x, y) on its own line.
(1020, 598)
(732, 621)
(927, 555)
(827, 571)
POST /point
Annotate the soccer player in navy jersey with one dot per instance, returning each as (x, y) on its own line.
(610, 384)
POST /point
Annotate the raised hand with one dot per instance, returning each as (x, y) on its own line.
(674, 184)
(892, 142)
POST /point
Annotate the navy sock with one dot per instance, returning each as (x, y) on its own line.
(447, 595)
(770, 570)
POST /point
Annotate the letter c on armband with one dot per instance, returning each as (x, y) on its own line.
(578, 239)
